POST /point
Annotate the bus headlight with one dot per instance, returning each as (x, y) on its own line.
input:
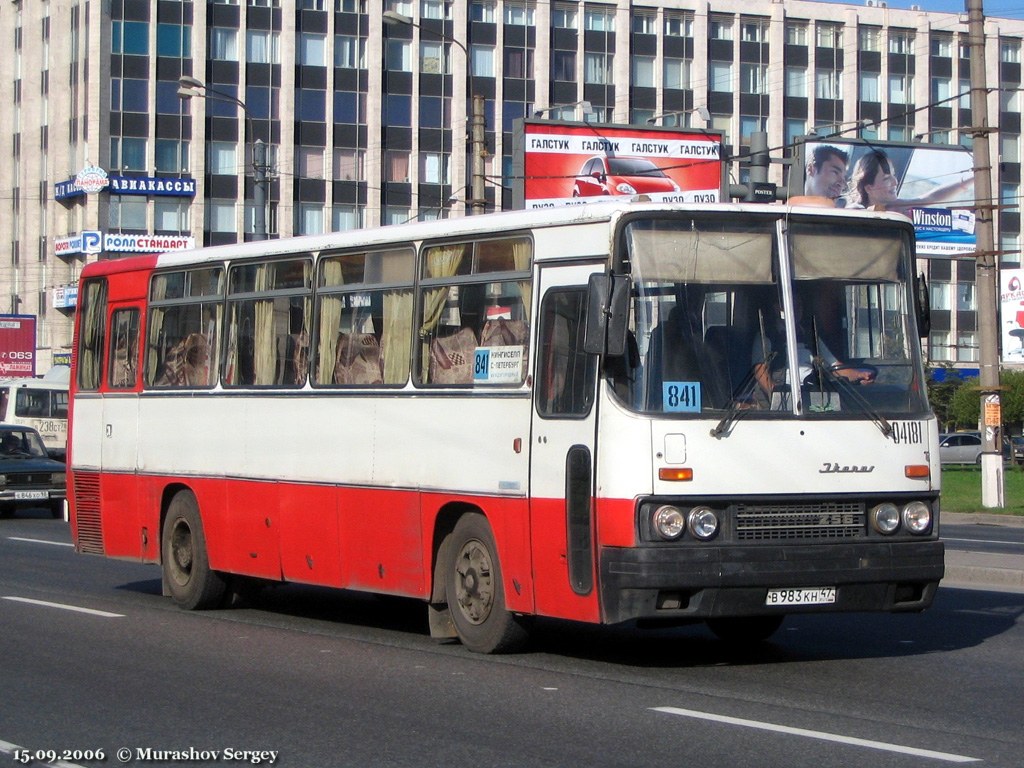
(669, 522)
(917, 517)
(703, 523)
(885, 518)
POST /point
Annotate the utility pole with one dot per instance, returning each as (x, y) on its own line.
(478, 151)
(259, 190)
(987, 269)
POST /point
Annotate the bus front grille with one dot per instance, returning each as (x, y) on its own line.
(800, 522)
(87, 512)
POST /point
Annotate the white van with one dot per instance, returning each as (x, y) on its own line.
(41, 404)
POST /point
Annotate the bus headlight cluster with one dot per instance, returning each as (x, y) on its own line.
(670, 522)
(915, 517)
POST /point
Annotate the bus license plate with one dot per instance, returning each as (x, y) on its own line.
(812, 596)
(27, 495)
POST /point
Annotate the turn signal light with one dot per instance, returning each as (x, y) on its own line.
(670, 473)
(917, 471)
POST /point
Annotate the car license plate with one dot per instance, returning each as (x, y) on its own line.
(811, 596)
(27, 495)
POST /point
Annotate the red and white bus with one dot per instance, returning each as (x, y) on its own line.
(583, 413)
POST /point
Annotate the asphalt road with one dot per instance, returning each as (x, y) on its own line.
(92, 657)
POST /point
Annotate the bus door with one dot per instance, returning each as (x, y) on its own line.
(120, 430)
(562, 448)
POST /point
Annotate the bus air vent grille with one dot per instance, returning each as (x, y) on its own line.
(87, 512)
(796, 522)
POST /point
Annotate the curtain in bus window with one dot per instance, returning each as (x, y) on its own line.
(264, 348)
(822, 254)
(441, 262)
(665, 251)
(396, 339)
(330, 322)
(156, 324)
(521, 253)
(90, 358)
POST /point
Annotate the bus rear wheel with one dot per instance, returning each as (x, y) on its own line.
(473, 589)
(193, 585)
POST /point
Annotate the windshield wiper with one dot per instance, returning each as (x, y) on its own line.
(846, 387)
(740, 403)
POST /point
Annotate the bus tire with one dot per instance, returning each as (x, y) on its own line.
(473, 589)
(745, 629)
(192, 584)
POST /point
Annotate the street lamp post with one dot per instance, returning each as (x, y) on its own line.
(189, 87)
(478, 151)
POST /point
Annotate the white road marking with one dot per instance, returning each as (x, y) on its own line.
(41, 541)
(982, 541)
(821, 735)
(63, 607)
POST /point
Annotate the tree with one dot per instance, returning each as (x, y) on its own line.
(940, 395)
(965, 405)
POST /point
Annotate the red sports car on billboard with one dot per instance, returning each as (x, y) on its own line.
(621, 176)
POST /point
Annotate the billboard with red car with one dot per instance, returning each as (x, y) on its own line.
(561, 163)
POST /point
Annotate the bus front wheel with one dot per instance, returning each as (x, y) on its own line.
(473, 589)
(192, 584)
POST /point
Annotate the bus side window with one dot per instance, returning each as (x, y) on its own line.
(566, 373)
(59, 404)
(124, 349)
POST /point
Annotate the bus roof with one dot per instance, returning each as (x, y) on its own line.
(491, 223)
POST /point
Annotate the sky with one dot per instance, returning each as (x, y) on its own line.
(1011, 9)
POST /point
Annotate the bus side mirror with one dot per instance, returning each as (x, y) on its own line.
(607, 315)
(924, 306)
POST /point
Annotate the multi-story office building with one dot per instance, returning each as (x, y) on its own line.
(365, 122)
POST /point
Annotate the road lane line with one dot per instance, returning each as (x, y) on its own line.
(983, 541)
(821, 735)
(41, 541)
(64, 607)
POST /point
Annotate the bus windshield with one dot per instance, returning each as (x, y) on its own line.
(727, 314)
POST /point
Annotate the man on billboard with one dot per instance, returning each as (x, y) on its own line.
(826, 172)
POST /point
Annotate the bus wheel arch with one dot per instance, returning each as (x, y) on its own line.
(187, 576)
(471, 576)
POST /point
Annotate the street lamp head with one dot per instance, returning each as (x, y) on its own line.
(188, 93)
(394, 17)
(190, 82)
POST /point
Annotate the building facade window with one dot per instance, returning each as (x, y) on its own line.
(262, 47)
(222, 158)
(796, 33)
(564, 17)
(720, 76)
(678, 24)
(643, 71)
(676, 73)
(223, 43)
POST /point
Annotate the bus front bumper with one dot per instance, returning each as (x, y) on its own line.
(698, 582)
